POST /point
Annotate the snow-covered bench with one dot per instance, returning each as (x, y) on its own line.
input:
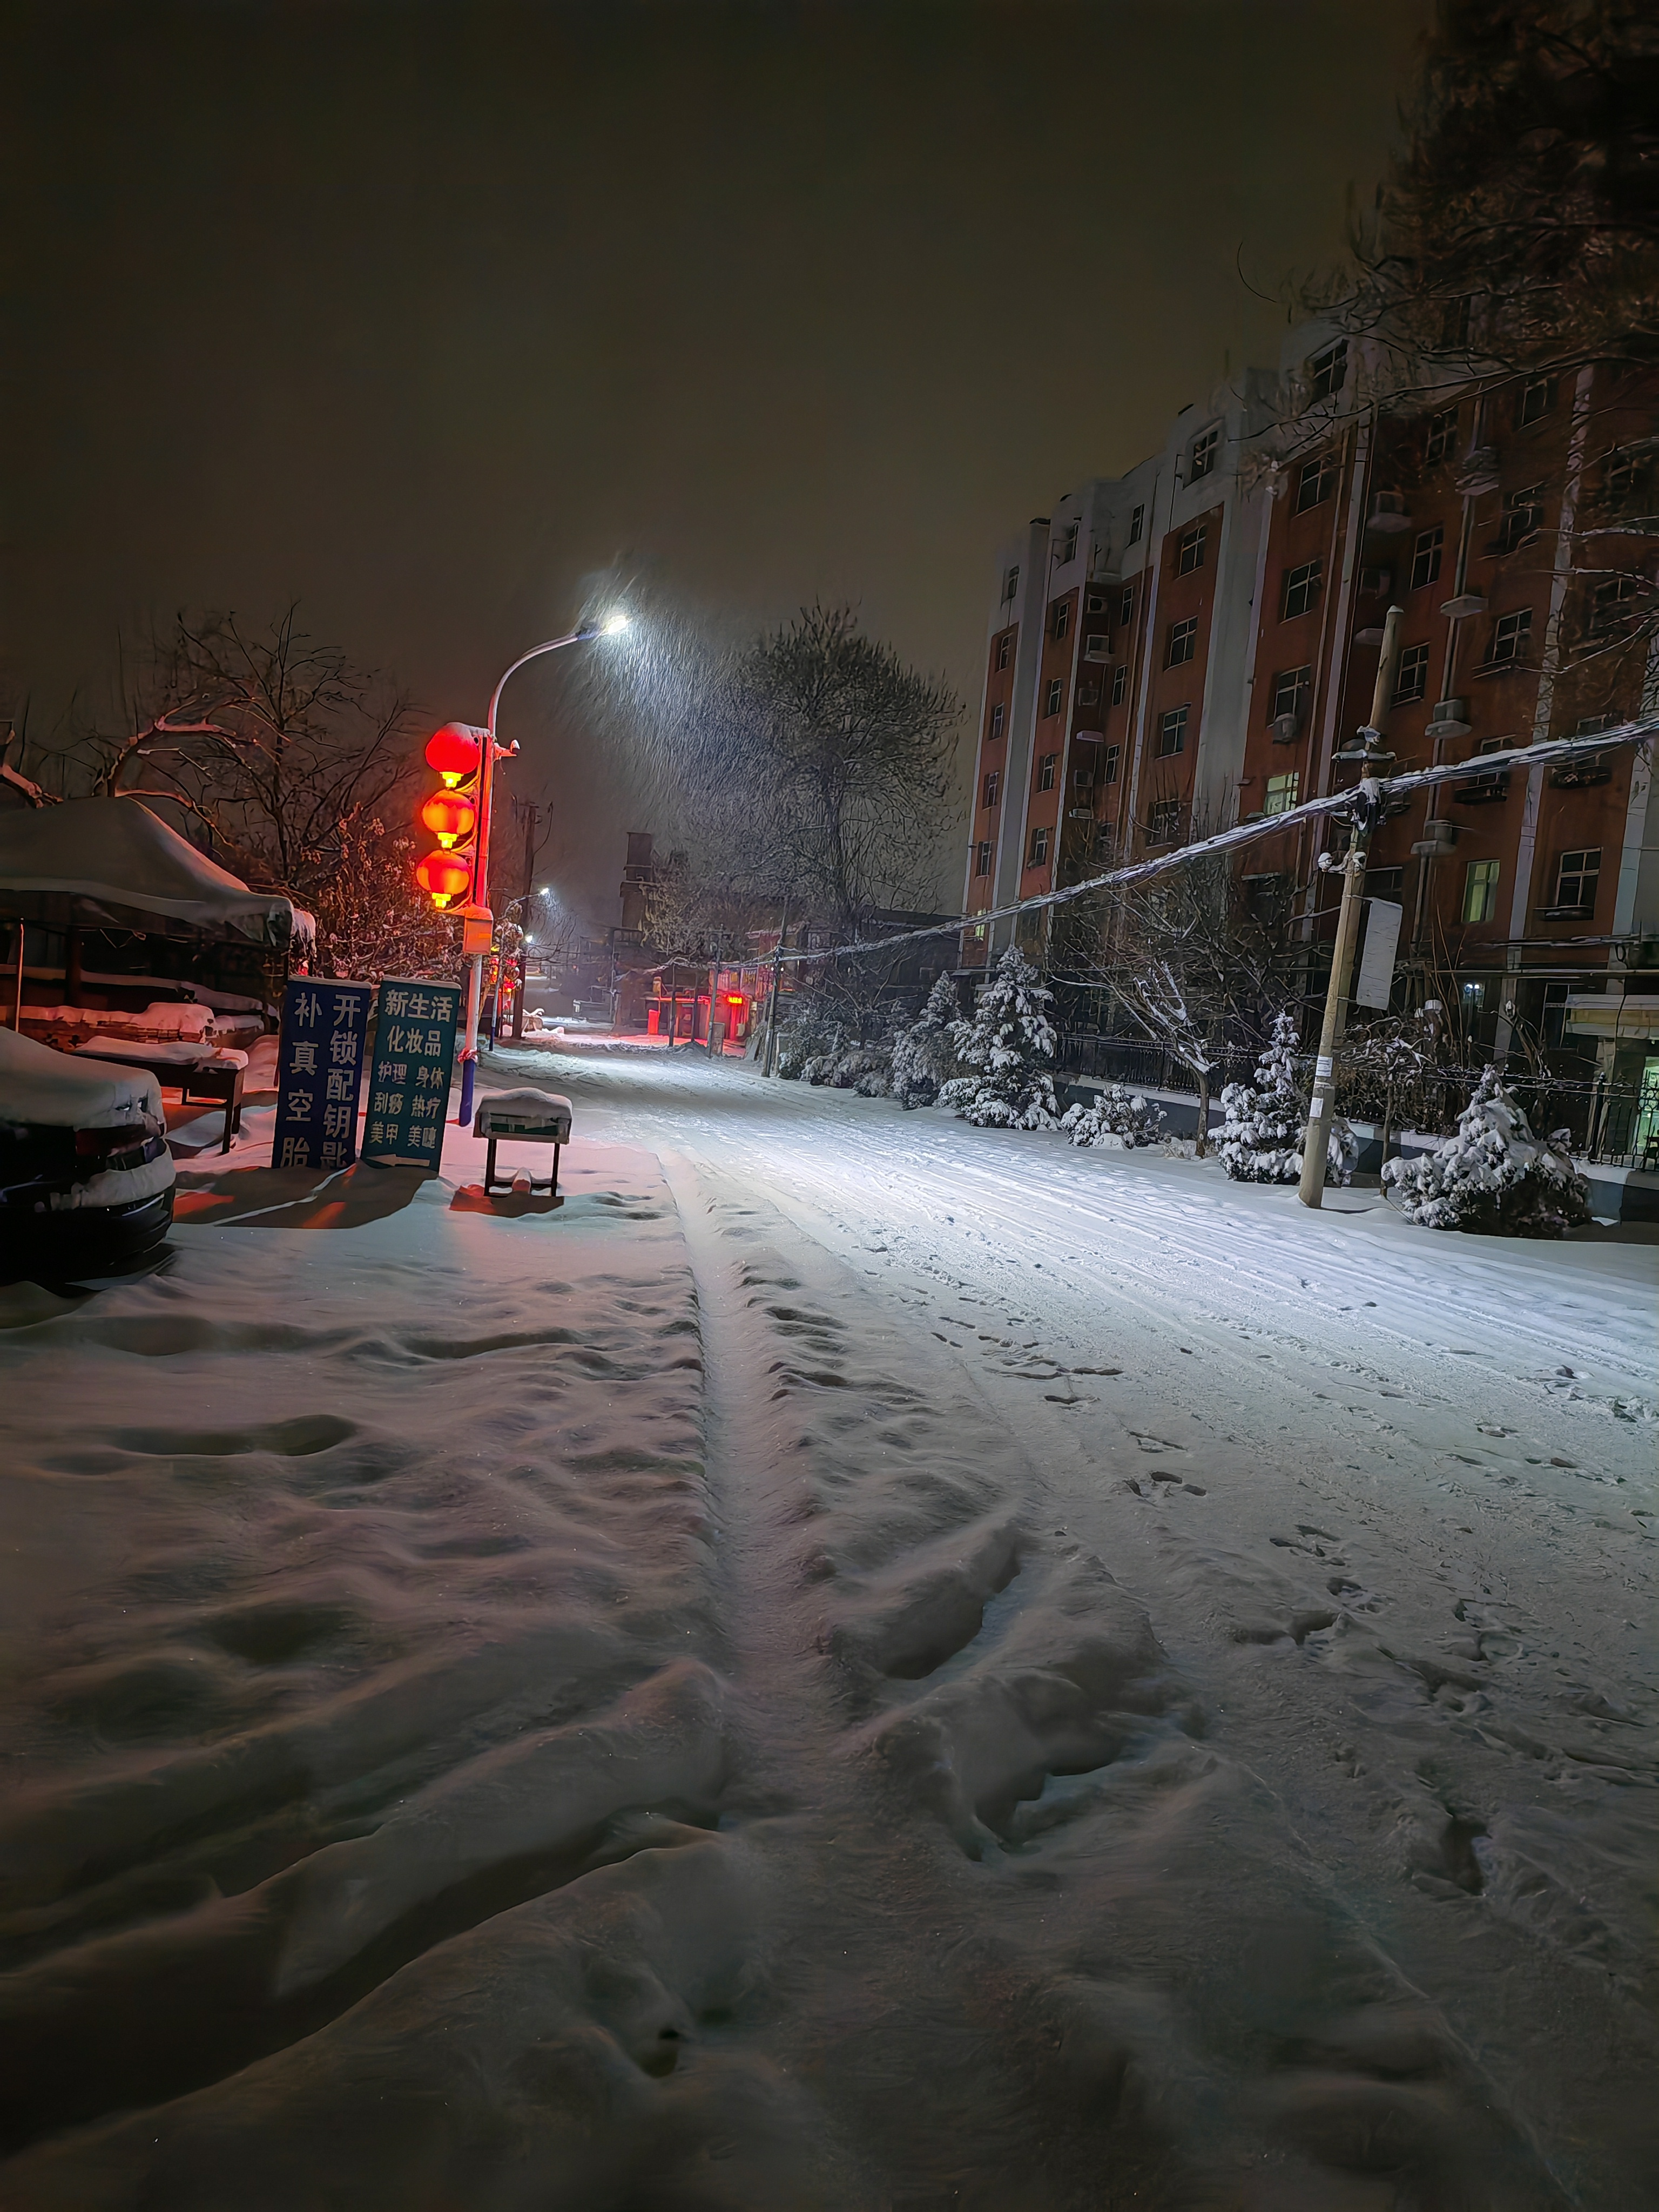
(523, 1117)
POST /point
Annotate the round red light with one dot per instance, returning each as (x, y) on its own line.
(455, 751)
(444, 876)
(450, 816)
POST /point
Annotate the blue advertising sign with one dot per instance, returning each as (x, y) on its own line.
(408, 1082)
(319, 1066)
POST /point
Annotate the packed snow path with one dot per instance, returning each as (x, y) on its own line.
(984, 1676)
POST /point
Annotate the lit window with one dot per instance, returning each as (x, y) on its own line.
(1005, 649)
(1206, 449)
(1474, 997)
(1511, 638)
(1120, 683)
(1523, 517)
(1537, 398)
(993, 787)
(1480, 891)
(1172, 733)
(1315, 482)
(1060, 617)
(1046, 771)
(1189, 552)
(1577, 876)
(1137, 524)
(1290, 692)
(1164, 822)
(1412, 677)
(1301, 589)
(1010, 583)
(1067, 549)
(1327, 369)
(1055, 696)
(1183, 642)
(1282, 792)
(1425, 555)
(1109, 760)
(998, 712)
(1039, 848)
(1442, 436)
(983, 857)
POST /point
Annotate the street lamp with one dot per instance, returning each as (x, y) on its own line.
(477, 917)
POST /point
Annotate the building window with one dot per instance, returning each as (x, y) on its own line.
(1575, 878)
(1442, 436)
(1105, 838)
(1315, 482)
(993, 787)
(1010, 583)
(1480, 891)
(1060, 617)
(1120, 683)
(1537, 398)
(1097, 603)
(1067, 549)
(1172, 733)
(1039, 852)
(1137, 524)
(1083, 781)
(997, 715)
(1164, 822)
(1523, 517)
(1126, 606)
(1425, 555)
(1290, 692)
(1206, 449)
(1622, 476)
(1383, 883)
(983, 857)
(1045, 767)
(1109, 760)
(1282, 792)
(1412, 676)
(1611, 604)
(1189, 552)
(1327, 369)
(1301, 589)
(1005, 649)
(1512, 639)
(1055, 697)
(1181, 643)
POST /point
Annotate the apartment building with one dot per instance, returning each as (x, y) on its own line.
(1195, 642)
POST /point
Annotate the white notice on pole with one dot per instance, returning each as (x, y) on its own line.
(1375, 979)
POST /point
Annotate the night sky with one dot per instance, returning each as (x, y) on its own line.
(425, 314)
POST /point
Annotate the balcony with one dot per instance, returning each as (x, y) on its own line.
(1484, 791)
(1576, 775)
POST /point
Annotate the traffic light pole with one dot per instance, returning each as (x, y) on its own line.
(1317, 1139)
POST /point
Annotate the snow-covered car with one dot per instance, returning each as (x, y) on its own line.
(85, 1177)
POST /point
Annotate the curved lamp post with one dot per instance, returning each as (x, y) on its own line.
(612, 625)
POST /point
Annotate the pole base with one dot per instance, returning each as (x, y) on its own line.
(469, 1075)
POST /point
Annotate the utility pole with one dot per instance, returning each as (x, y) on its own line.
(1368, 749)
(526, 809)
(769, 1066)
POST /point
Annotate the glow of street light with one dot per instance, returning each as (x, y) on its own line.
(614, 624)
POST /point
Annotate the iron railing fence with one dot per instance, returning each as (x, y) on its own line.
(1612, 1125)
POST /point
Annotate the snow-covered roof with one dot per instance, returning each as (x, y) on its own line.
(115, 853)
(39, 1085)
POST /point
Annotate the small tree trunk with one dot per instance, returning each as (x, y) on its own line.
(1203, 1114)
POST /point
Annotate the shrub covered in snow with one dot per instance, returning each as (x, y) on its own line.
(1493, 1177)
(1260, 1135)
(1007, 1049)
(803, 1041)
(924, 1054)
(1116, 1112)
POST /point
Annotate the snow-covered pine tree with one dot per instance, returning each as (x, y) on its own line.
(1008, 1049)
(924, 1054)
(1260, 1137)
(1114, 1112)
(1493, 1177)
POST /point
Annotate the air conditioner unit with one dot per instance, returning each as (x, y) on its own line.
(1466, 603)
(1442, 837)
(1388, 514)
(1450, 719)
(1286, 728)
(1098, 646)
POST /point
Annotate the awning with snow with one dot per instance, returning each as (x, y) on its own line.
(122, 865)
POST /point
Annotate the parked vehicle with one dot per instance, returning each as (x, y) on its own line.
(85, 1177)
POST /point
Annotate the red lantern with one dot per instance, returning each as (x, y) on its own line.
(450, 816)
(455, 751)
(444, 876)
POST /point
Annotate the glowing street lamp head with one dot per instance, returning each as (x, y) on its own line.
(614, 624)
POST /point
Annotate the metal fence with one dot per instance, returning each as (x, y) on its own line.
(1614, 1125)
